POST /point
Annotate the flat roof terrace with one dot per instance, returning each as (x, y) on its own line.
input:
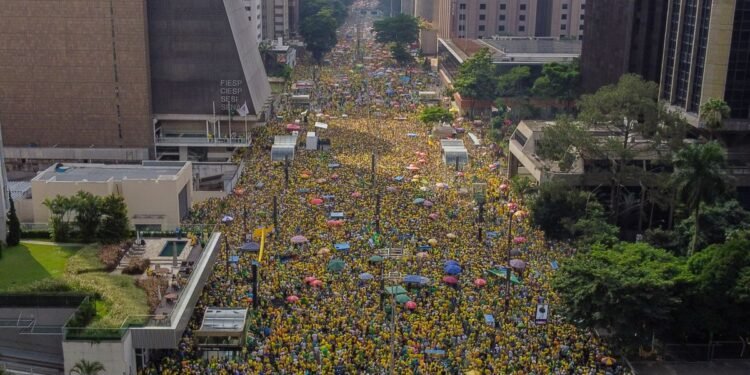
(75, 172)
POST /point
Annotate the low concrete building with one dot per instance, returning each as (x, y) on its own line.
(158, 195)
(523, 158)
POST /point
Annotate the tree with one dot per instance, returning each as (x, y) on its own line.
(62, 209)
(718, 222)
(476, 78)
(559, 81)
(515, 83)
(719, 299)
(84, 367)
(310, 9)
(400, 54)
(88, 214)
(700, 177)
(319, 32)
(115, 224)
(630, 288)
(401, 29)
(14, 226)
(556, 208)
(713, 113)
(435, 114)
(593, 228)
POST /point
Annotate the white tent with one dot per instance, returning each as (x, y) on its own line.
(454, 150)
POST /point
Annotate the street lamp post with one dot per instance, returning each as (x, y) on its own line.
(227, 221)
(511, 209)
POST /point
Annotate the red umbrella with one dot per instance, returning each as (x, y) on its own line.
(356, 194)
(411, 305)
(309, 279)
(292, 127)
(503, 187)
(292, 299)
(433, 216)
(452, 280)
(480, 282)
(316, 201)
(317, 283)
(519, 239)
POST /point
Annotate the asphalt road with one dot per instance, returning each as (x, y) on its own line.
(719, 367)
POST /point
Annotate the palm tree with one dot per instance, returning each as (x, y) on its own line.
(700, 177)
(84, 367)
(713, 113)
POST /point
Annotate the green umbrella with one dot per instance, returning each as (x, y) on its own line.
(336, 265)
(398, 289)
(502, 274)
(376, 259)
(402, 298)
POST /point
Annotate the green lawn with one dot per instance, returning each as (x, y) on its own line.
(26, 263)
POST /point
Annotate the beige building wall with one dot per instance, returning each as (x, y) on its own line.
(474, 19)
(153, 202)
(567, 18)
(717, 58)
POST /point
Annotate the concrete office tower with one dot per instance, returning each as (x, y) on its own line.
(74, 80)
(707, 55)
(104, 80)
(280, 19)
(481, 19)
(622, 36)
(205, 71)
(254, 10)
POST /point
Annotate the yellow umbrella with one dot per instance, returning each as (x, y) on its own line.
(432, 242)
(473, 372)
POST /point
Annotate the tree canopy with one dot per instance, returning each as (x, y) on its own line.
(700, 177)
(516, 82)
(319, 32)
(630, 288)
(476, 77)
(401, 29)
(435, 114)
(558, 81)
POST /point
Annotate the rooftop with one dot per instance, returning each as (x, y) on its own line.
(532, 50)
(218, 319)
(75, 172)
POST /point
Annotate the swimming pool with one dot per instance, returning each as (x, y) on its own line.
(166, 251)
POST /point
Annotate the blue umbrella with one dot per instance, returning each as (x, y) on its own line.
(452, 269)
(366, 276)
(419, 201)
(450, 262)
(415, 279)
(250, 246)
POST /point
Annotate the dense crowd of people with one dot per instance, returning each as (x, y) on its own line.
(317, 316)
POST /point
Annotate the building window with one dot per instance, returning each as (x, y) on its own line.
(502, 6)
(462, 6)
(460, 27)
(521, 28)
(563, 27)
(481, 28)
(580, 27)
(523, 7)
(565, 6)
(502, 17)
(583, 6)
(482, 6)
(522, 17)
(564, 17)
(581, 16)
(481, 17)
(501, 28)
(462, 17)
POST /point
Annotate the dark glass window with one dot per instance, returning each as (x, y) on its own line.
(523, 7)
(482, 6)
(737, 92)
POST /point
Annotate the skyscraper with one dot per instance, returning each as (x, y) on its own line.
(622, 36)
(118, 80)
(707, 55)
